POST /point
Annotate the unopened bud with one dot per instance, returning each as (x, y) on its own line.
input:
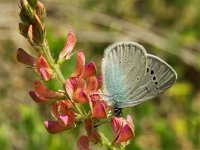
(40, 11)
(38, 30)
(23, 29)
(33, 3)
(26, 13)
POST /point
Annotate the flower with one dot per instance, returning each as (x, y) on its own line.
(41, 65)
(99, 108)
(63, 113)
(83, 143)
(69, 45)
(43, 68)
(78, 89)
(43, 95)
(92, 132)
(123, 129)
(82, 70)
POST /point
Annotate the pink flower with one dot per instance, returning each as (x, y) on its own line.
(43, 95)
(92, 132)
(99, 108)
(41, 65)
(43, 68)
(63, 113)
(82, 70)
(69, 45)
(78, 89)
(83, 143)
(123, 129)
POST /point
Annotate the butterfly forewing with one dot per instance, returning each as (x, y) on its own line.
(158, 78)
(123, 66)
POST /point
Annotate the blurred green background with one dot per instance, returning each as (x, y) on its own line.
(168, 28)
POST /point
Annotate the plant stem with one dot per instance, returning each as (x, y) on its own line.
(55, 67)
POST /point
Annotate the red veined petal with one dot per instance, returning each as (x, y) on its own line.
(69, 46)
(80, 62)
(89, 70)
(42, 91)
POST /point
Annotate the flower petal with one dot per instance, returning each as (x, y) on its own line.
(130, 121)
(99, 111)
(80, 62)
(43, 68)
(25, 58)
(53, 127)
(80, 97)
(37, 98)
(42, 91)
(61, 110)
(69, 45)
(91, 84)
(64, 120)
(89, 70)
(83, 143)
(73, 84)
(126, 134)
(116, 124)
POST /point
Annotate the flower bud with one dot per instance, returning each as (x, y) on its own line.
(40, 11)
(23, 29)
(32, 3)
(26, 13)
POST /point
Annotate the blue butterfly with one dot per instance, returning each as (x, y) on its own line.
(131, 76)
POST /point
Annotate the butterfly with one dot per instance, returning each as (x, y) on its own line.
(131, 76)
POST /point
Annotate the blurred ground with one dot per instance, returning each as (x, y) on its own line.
(169, 29)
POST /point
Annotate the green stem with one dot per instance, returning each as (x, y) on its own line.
(51, 62)
(106, 143)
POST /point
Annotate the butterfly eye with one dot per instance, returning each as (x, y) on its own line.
(154, 78)
(156, 83)
(147, 69)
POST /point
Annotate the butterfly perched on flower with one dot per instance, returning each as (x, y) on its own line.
(131, 76)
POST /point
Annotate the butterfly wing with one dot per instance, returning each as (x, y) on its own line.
(159, 77)
(123, 67)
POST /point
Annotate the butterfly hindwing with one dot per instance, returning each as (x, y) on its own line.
(159, 77)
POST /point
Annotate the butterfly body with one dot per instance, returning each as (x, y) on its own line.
(131, 76)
